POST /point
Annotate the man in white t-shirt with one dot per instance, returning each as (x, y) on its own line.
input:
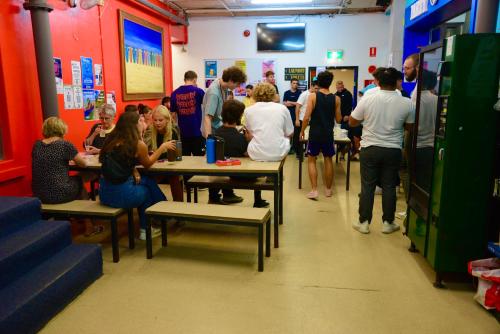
(301, 107)
(269, 125)
(384, 116)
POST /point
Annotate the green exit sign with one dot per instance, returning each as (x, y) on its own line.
(334, 54)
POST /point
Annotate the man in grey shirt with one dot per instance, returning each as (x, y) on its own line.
(215, 96)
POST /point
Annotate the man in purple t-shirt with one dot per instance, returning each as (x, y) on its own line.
(186, 104)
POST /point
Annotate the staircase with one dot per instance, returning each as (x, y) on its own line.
(41, 271)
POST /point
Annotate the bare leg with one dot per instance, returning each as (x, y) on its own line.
(328, 172)
(313, 173)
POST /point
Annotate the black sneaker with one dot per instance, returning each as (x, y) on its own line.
(231, 199)
(261, 204)
(216, 201)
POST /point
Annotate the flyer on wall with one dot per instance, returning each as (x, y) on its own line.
(240, 90)
(111, 98)
(98, 74)
(267, 65)
(210, 69)
(68, 97)
(88, 104)
(78, 97)
(76, 72)
(241, 64)
(87, 73)
(58, 74)
(100, 99)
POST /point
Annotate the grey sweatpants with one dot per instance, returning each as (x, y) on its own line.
(379, 165)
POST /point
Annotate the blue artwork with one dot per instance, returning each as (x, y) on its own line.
(87, 73)
(210, 69)
(142, 44)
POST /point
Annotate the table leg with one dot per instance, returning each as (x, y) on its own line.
(348, 174)
(149, 242)
(281, 195)
(261, 248)
(164, 232)
(188, 194)
(268, 237)
(276, 210)
(114, 240)
(301, 159)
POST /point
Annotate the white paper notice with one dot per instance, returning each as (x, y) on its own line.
(449, 45)
(98, 74)
(68, 97)
(76, 71)
(111, 99)
(78, 93)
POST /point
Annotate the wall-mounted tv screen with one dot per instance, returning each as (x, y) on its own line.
(281, 37)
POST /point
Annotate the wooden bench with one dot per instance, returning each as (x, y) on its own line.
(225, 182)
(211, 214)
(92, 209)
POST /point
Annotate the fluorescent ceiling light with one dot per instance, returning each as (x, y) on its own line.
(285, 25)
(279, 2)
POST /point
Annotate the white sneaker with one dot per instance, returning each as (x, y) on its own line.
(378, 190)
(389, 227)
(155, 232)
(363, 227)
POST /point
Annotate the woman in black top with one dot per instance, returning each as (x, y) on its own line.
(121, 185)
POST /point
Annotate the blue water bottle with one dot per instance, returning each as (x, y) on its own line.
(210, 150)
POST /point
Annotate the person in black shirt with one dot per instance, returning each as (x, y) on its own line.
(290, 101)
(235, 142)
(346, 102)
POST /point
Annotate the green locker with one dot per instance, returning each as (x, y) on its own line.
(452, 170)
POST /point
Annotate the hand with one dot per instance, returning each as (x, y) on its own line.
(301, 136)
(297, 123)
(169, 145)
(92, 149)
(98, 130)
(346, 118)
(137, 176)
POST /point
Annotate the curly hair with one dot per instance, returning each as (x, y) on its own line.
(234, 74)
(232, 110)
(264, 92)
(124, 136)
(163, 111)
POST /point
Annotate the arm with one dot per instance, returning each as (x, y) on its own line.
(80, 161)
(211, 105)
(311, 104)
(146, 160)
(354, 122)
(358, 115)
(297, 113)
(90, 138)
(338, 113)
(207, 121)
(276, 98)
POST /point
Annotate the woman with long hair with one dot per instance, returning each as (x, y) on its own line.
(121, 185)
(162, 130)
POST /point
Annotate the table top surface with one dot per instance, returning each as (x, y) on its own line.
(199, 164)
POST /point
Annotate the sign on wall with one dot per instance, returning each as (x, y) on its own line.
(298, 73)
(373, 51)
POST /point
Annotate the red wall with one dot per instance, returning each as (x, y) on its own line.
(75, 32)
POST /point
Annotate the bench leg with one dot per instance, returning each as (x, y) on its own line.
(301, 158)
(195, 189)
(131, 232)
(188, 194)
(92, 190)
(164, 233)
(261, 248)
(268, 237)
(276, 211)
(114, 240)
(281, 196)
(149, 242)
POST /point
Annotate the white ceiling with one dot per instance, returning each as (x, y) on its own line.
(246, 8)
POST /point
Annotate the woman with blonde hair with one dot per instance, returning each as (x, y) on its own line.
(269, 126)
(161, 131)
(51, 181)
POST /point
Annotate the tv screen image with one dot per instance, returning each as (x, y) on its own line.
(281, 37)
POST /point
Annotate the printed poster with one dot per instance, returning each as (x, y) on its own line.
(210, 69)
(58, 75)
(78, 97)
(267, 65)
(76, 72)
(100, 100)
(111, 98)
(87, 73)
(320, 69)
(242, 65)
(302, 85)
(240, 91)
(208, 82)
(98, 74)
(68, 97)
(88, 104)
(298, 73)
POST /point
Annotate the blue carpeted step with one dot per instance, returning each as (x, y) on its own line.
(27, 304)
(23, 250)
(18, 212)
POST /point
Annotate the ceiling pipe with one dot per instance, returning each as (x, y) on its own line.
(164, 12)
(227, 7)
(44, 55)
(264, 9)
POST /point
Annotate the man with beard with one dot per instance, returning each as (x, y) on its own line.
(410, 69)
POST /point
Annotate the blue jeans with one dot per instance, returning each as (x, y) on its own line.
(129, 195)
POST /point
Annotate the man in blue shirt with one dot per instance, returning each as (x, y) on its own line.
(290, 101)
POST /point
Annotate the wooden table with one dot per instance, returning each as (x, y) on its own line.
(338, 142)
(198, 166)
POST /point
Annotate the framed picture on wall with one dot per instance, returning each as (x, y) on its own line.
(141, 45)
